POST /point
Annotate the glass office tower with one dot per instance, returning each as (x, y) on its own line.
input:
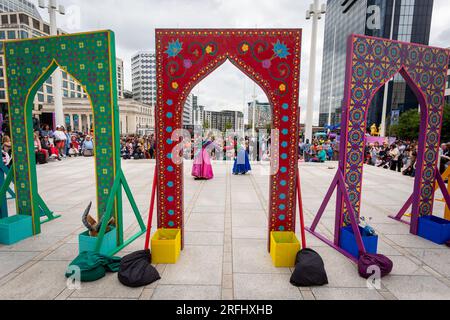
(412, 21)
(20, 6)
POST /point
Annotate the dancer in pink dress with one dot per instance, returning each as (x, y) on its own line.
(202, 168)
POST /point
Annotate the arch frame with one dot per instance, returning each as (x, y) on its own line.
(89, 58)
(184, 58)
(371, 63)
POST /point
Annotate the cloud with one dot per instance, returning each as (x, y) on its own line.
(134, 23)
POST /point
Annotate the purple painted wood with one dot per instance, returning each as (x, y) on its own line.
(331, 244)
(325, 203)
(355, 223)
(443, 187)
(344, 138)
(405, 208)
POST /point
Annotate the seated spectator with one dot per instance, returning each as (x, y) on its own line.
(46, 131)
(88, 147)
(124, 151)
(138, 153)
(6, 144)
(51, 149)
(74, 147)
(41, 154)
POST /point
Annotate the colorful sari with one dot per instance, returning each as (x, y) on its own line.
(202, 168)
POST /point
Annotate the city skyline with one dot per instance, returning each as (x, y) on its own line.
(135, 32)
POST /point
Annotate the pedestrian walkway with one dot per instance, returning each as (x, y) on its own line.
(225, 255)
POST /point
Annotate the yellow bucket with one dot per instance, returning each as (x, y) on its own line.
(166, 246)
(284, 247)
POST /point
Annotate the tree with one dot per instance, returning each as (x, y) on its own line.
(228, 126)
(206, 125)
(408, 126)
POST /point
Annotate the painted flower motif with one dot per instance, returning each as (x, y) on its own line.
(281, 50)
(282, 87)
(174, 48)
(267, 64)
(175, 85)
(209, 49)
(245, 47)
(187, 63)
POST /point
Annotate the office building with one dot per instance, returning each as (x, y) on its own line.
(263, 114)
(224, 120)
(135, 117)
(412, 21)
(120, 78)
(188, 109)
(20, 6)
(143, 69)
(198, 115)
(22, 25)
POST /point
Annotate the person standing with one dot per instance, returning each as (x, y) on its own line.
(394, 153)
(241, 162)
(60, 140)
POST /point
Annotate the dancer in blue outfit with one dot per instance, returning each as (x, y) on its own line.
(242, 162)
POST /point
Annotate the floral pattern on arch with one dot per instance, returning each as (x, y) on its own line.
(272, 59)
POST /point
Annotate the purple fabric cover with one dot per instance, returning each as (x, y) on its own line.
(367, 260)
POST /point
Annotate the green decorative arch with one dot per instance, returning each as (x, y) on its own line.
(90, 59)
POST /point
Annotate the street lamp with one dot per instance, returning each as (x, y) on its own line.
(52, 7)
(315, 12)
(386, 86)
(332, 100)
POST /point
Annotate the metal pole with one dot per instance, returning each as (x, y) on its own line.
(316, 14)
(386, 86)
(254, 111)
(57, 76)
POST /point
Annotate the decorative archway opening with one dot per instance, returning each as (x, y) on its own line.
(371, 62)
(45, 207)
(269, 57)
(90, 59)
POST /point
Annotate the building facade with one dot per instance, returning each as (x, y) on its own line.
(120, 78)
(22, 25)
(224, 120)
(187, 110)
(20, 6)
(412, 22)
(135, 117)
(198, 115)
(143, 70)
(263, 114)
(447, 90)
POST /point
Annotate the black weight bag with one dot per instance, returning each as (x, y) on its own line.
(309, 270)
(136, 270)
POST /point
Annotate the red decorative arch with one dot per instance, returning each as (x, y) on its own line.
(272, 59)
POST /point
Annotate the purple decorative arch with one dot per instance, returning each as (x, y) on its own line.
(371, 63)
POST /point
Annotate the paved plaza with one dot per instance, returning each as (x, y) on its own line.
(225, 255)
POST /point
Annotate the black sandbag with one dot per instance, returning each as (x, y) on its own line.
(136, 270)
(448, 244)
(309, 270)
(368, 261)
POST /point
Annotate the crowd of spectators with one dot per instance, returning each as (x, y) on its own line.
(321, 149)
(138, 147)
(53, 145)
